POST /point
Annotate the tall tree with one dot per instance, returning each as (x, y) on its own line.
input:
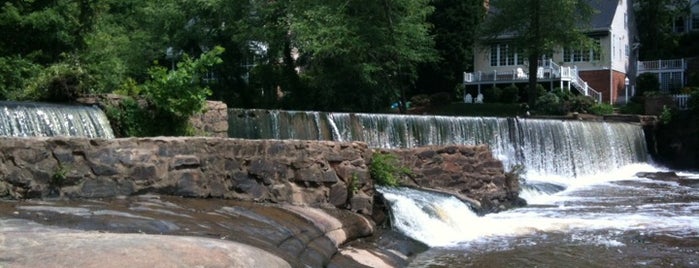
(537, 27)
(655, 20)
(362, 54)
(454, 30)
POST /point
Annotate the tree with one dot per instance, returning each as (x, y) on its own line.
(454, 30)
(362, 54)
(655, 19)
(537, 27)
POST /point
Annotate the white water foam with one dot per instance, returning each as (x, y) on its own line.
(587, 204)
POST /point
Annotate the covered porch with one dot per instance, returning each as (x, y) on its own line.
(548, 72)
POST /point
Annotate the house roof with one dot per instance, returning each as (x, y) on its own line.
(604, 13)
(602, 17)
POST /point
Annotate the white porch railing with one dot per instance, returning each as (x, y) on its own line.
(657, 65)
(546, 69)
(582, 86)
(682, 101)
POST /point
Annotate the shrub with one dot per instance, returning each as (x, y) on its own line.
(549, 103)
(420, 100)
(178, 92)
(510, 94)
(666, 115)
(647, 82)
(385, 169)
(580, 104)
(632, 108)
(64, 81)
(15, 71)
(439, 99)
(492, 95)
(602, 109)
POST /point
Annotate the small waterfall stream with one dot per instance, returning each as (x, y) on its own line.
(27, 119)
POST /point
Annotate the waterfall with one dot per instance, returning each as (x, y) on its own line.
(27, 119)
(560, 147)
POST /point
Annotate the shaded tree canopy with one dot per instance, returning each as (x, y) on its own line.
(329, 55)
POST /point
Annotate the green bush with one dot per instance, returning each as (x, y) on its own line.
(646, 82)
(580, 104)
(602, 109)
(439, 99)
(632, 108)
(162, 105)
(385, 169)
(549, 103)
(420, 100)
(179, 92)
(492, 95)
(64, 81)
(510, 94)
(15, 72)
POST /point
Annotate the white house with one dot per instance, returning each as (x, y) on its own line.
(599, 73)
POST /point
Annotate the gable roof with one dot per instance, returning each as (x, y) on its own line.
(602, 18)
(604, 13)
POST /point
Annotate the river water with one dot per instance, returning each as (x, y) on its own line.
(587, 207)
(609, 219)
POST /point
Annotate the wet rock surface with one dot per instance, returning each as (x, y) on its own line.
(163, 230)
(671, 177)
(470, 173)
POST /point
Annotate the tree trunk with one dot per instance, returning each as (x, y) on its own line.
(534, 54)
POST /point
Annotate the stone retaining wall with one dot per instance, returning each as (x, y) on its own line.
(315, 173)
(470, 173)
(296, 172)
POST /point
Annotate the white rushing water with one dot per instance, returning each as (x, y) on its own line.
(27, 119)
(583, 195)
(592, 203)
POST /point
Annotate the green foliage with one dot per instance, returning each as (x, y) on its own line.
(632, 108)
(15, 71)
(353, 185)
(666, 115)
(655, 21)
(510, 94)
(420, 100)
(602, 109)
(549, 103)
(646, 82)
(386, 170)
(60, 82)
(364, 53)
(454, 25)
(439, 99)
(169, 99)
(179, 92)
(59, 176)
(562, 102)
(492, 95)
(534, 33)
(694, 102)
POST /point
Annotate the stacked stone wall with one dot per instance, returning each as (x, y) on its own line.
(295, 172)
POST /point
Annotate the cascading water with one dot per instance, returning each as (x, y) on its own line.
(565, 148)
(26, 119)
(587, 208)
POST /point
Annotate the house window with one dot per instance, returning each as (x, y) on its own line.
(580, 55)
(505, 55)
(678, 25)
(695, 21)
